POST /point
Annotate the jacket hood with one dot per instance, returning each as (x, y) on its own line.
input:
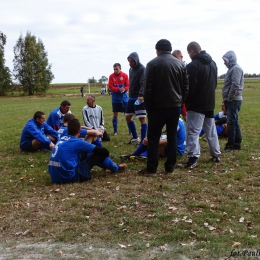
(203, 57)
(135, 57)
(231, 58)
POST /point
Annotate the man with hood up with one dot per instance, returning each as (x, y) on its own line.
(200, 104)
(232, 97)
(135, 105)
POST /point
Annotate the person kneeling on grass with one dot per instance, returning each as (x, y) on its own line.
(37, 134)
(141, 151)
(72, 158)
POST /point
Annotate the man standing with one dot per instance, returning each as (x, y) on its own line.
(232, 97)
(55, 119)
(118, 83)
(165, 89)
(82, 90)
(200, 104)
(135, 104)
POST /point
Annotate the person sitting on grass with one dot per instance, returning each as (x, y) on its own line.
(55, 119)
(89, 135)
(221, 123)
(72, 158)
(37, 134)
(141, 151)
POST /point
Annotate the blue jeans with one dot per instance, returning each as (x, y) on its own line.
(157, 118)
(234, 132)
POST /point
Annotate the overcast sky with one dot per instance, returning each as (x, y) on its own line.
(84, 38)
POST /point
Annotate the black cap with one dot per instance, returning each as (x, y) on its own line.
(163, 45)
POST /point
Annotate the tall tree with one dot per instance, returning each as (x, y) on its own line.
(31, 67)
(5, 74)
(103, 80)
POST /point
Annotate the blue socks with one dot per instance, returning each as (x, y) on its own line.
(132, 127)
(97, 143)
(114, 122)
(143, 131)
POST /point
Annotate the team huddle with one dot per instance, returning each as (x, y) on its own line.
(161, 92)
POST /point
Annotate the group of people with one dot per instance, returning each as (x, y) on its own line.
(160, 92)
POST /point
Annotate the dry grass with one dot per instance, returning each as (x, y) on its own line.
(199, 214)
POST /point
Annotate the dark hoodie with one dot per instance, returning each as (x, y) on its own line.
(202, 73)
(136, 77)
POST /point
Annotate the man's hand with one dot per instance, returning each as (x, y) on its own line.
(122, 90)
(145, 141)
(140, 99)
(51, 145)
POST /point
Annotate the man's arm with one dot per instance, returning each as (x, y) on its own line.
(37, 134)
(111, 84)
(192, 74)
(185, 86)
(141, 82)
(148, 87)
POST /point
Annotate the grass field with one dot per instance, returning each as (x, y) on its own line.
(211, 212)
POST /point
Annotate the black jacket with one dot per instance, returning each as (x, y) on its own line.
(202, 73)
(165, 82)
(136, 77)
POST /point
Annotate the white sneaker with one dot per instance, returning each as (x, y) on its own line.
(134, 140)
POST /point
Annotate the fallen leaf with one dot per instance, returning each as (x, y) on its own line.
(117, 187)
(72, 194)
(236, 244)
(241, 220)
(122, 246)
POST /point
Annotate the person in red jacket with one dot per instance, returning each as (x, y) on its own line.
(118, 83)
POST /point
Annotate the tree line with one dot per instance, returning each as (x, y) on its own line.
(32, 71)
(246, 75)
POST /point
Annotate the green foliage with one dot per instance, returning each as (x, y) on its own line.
(92, 80)
(31, 67)
(5, 75)
(103, 80)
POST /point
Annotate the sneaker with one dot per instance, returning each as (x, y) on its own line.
(125, 156)
(136, 157)
(188, 165)
(145, 173)
(228, 149)
(122, 167)
(115, 133)
(112, 155)
(134, 140)
(215, 159)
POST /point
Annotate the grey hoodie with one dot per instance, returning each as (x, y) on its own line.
(234, 79)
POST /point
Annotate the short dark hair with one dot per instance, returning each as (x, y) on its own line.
(68, 117)
(117, 65)
(176, 53)
(194, 46)
(73, 126)
(65, 103)
(92, 97)
(38, 114)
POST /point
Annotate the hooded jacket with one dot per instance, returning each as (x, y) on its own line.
(136, 77)
(234, 79)
(202, 73)
(166, 82)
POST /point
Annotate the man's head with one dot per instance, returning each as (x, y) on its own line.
(193, 48)
(163, 46)
(177, 54)
(68, 117)
(131, 62)
(39, 117)
(91, 100)
(74, 127)
(65, 106)
(117, 68)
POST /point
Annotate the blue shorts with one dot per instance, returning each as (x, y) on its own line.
(119, 107)
(137, 110)
(27, 147)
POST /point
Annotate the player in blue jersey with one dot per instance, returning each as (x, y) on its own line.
(89, 135)
(55, 119)
(162, 148)
(72, 158)
(37, 134)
